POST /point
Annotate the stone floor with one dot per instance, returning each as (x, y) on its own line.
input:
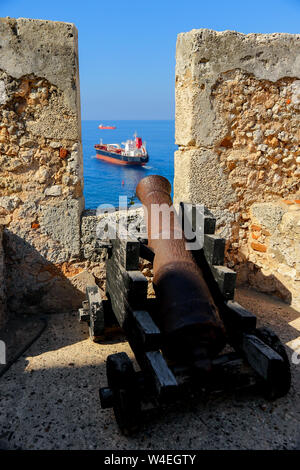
(49, 397)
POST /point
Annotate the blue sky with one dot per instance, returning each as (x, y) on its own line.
(127, 47)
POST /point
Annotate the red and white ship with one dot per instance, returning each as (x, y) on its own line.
(106, 127)
(133, 153)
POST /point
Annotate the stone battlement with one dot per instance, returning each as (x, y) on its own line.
(41, 171)
(237, 127)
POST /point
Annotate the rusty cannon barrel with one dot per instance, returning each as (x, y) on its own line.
(187, 315)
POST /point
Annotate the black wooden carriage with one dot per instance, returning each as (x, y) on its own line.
(254, 356)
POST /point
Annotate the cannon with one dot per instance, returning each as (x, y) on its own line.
(188, 316)
(191, 338)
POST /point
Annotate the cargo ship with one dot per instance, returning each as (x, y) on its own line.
(133, 153)
(106, 127)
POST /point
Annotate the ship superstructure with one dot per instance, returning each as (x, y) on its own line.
(133, 152)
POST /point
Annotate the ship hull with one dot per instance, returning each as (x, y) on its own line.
(119, 159)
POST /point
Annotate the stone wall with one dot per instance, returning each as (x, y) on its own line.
(41, 171)
(93, 252)
(237, 128)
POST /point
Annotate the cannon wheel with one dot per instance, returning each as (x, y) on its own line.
(122, 381)
(281, 385)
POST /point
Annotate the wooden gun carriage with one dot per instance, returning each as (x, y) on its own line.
(250, 356)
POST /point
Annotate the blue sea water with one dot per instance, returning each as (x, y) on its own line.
(104, 182)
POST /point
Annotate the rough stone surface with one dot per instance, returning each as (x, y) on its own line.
(268, 214)
(41, 171)
(204, 55)
(93, 227)
(237, 127)
(196, 168)
(48, 49)
(273, 249)
(62, 224)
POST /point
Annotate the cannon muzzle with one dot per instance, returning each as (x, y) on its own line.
(188, 317)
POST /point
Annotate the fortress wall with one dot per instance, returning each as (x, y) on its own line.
(41, 169)
(237, 128)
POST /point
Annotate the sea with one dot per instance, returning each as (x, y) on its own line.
(104, 182)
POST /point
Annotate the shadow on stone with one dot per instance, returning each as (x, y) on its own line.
(35, 285)
(49, 399)
(255, 279)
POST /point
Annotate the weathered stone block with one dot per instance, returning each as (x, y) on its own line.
(290, 225)
(200, 180)
(203, 55)
(53, 191)
(44, 48)
(277, 230)
(62, 223)
(268, 214)
(92, 225)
